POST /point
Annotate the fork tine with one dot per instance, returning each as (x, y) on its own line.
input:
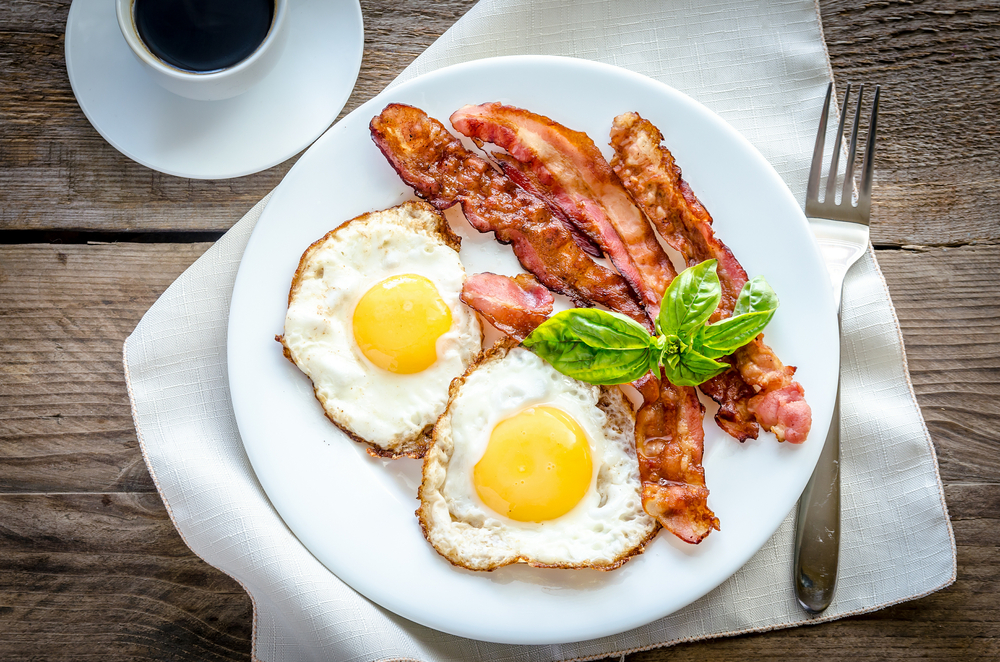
(831, 180)
(812, 188)
(868, 169)
(852, 154)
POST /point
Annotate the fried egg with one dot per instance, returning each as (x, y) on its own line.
(375, 321)
(531, 466)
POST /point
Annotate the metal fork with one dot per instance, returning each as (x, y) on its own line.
(842, 233)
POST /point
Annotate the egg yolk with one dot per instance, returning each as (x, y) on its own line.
(398, 321)
(536, 467)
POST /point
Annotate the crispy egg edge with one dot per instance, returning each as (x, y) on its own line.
(422, 218)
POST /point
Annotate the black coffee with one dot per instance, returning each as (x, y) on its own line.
(203, 35)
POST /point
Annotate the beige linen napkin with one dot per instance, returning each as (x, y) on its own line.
(763, 67)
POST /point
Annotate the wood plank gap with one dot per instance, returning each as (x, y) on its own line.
(96, 237)
(920, 248)
(962, 483)
(145, 492)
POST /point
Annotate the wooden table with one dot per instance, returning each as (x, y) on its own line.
(91, 567)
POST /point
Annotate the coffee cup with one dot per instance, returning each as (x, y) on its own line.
(205, 49)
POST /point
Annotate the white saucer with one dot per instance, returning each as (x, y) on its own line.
(273, 121)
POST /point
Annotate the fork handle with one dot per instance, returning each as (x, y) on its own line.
(817, 523)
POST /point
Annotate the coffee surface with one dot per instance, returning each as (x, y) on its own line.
(203, 35)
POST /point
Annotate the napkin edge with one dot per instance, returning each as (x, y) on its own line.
(166, 505)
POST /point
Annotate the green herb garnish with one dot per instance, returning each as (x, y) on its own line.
(599, 347)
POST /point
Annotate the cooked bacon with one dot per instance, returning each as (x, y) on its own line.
(651, 175)
(785, 412)
(669, 441)
(529, 182)
(733, 394)
(442, 171)
(513, 305)
(780, 404)
(569, 173)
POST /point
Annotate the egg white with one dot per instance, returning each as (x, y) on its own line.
(603, 530)
(390, 411)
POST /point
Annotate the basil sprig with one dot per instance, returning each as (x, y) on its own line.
(600, 347)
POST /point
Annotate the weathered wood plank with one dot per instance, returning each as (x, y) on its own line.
(65, 424)
(948, 304)
(65, 310)
(97, 577)
(937, 162)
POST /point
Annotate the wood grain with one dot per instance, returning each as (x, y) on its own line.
(98, 577)
(948, 304)
(936, 161)
(65, 421)
(937, 170)
(66, 310)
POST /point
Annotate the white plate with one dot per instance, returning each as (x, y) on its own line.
(271, 122)
(356, 514)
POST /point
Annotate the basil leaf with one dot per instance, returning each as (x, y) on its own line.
(595, 365)
(691, 368)
(756, 296)
(597, 328)
(754, 308)
(690, 300)
(726, 336)
(594, 346)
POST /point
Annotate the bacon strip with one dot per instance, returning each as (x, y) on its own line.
(442, 171)
(780, 404)
(651, 175)
(733, 395)
(567, 170)
(530, 183)
(669, 441)
(513, 305)
(570, 174)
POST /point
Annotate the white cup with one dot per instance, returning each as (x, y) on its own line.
(214, 85)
